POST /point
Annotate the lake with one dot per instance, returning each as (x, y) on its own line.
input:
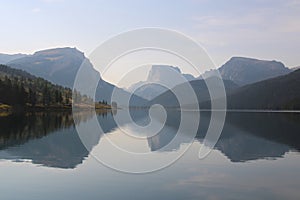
(256, 157)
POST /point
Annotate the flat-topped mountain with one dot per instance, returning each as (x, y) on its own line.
(160, 78)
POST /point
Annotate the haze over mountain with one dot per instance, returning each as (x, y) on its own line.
(240, 70)
(60, 66)
(244, 71)
(160, 77)
(282, 92)
(200, 88)
(5, 58)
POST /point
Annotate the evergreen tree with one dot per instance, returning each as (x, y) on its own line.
(46, 96)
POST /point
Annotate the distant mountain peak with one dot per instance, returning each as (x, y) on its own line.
(244, 71)
(243, 61)
(160, 77)
(159, 72)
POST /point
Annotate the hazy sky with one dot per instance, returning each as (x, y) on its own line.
(266, 29)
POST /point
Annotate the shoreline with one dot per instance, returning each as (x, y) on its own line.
(6, 110)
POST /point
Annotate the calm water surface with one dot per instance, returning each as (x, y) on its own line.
(257, 157)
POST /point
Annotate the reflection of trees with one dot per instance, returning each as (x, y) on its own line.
(49, 139)
(18, 129)
(282, 128)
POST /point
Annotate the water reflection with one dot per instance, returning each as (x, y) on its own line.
(250, 136)
(50, 139)
(246, 136)
(47, 139)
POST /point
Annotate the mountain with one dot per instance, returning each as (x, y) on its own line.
(11, 72)
(282, 92)
(56, 65)
(5, 58)
(147, 90)
(200, 88)
(159, 73)
(61, 65)
(160, 77)
(295, 68)
(245, 71)
(21, 89)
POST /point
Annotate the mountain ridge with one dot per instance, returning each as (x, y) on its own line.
(60, 66)
(254, 70)
(282, 92)
(243, 70)
(5, 58)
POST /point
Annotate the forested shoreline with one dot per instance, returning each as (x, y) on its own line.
(22, 91)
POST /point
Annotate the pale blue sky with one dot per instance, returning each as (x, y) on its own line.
(266, 29)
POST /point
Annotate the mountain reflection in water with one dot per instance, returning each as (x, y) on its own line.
(50, 138)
